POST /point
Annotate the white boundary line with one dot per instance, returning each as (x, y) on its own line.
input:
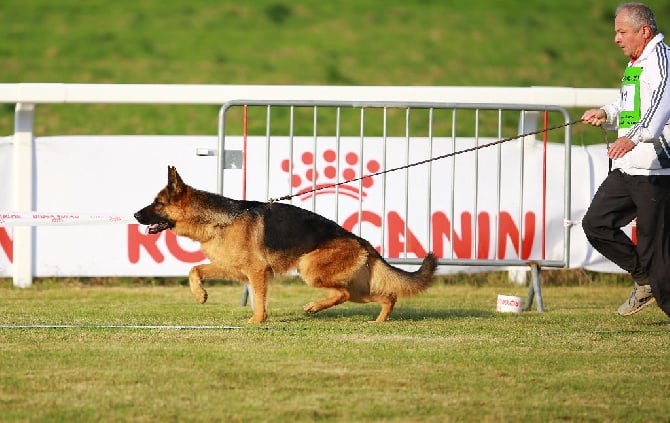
(35, 218)
(172, 327)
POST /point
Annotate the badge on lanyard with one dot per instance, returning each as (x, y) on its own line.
(630, 97)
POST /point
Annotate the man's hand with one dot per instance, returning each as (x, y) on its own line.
(595, 117)
(620, 147)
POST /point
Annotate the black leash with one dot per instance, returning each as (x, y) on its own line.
(607, 145)
(444, 156)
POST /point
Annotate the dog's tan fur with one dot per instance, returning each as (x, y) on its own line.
(253, 242)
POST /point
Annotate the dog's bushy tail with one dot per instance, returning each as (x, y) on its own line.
(387, 279)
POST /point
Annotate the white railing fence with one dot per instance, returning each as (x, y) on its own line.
(28, 96)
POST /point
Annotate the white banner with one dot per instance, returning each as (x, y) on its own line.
(103, 180)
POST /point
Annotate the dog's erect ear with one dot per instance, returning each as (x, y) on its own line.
(175, 184)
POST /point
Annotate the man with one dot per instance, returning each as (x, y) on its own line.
(639, 184)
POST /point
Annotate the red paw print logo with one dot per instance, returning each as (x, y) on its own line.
(323, 176)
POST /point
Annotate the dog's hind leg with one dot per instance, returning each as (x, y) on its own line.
(195, 277)
(387, 302)
(337, 296)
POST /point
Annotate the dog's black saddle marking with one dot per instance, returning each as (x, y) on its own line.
(293, 228)
(286, 227)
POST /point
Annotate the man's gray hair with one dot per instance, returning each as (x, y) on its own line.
(639, 14)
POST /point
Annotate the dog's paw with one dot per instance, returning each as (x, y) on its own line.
(257, 319)
(311, 308)
(201, 297)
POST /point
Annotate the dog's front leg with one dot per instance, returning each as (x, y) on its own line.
(258, 281)
(195, 277)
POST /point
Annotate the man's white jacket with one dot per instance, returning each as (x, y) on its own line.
(651, 134)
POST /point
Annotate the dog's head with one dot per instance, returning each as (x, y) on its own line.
(163, 213)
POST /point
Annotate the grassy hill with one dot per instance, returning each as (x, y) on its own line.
(364, 42)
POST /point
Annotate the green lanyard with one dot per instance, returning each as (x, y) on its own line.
(630, 97)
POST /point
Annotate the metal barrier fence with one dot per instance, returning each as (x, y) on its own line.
(405, 175)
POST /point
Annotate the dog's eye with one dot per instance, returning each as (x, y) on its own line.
(158, 203)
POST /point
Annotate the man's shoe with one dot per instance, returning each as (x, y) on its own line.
(640, 297)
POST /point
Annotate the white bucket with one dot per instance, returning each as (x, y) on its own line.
(509, 304)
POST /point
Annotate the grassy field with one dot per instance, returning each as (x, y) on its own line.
(446, 355)
(339, 42)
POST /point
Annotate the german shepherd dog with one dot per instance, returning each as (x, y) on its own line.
(251, 241)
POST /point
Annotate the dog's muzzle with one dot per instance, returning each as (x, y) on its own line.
(155, 224)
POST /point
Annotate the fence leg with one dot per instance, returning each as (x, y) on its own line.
(24, 162)
(247, 297)
(535, 288)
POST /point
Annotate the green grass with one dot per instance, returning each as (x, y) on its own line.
(339, 42)
(445, 356)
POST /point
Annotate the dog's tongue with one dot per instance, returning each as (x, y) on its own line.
(151, 229)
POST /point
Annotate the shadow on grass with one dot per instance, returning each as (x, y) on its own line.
(399, 314)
